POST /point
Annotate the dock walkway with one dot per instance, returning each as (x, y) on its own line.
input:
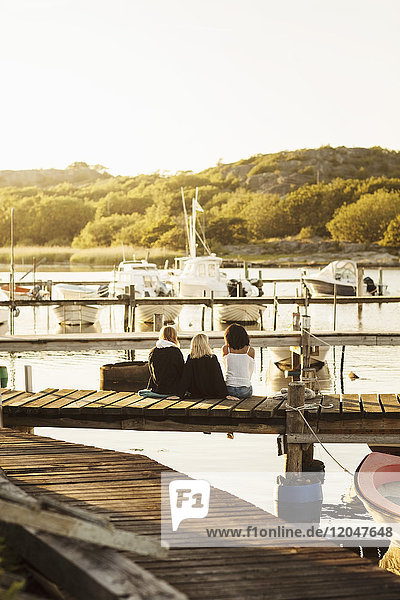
(349, 417)
(126, 488)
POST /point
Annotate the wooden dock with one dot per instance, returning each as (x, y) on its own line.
(126, 488)
(350, 418)
(145, 340)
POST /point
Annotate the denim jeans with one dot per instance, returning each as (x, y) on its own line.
(240, 391)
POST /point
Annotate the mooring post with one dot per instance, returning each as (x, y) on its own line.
(294, 424)
(380, 282)
(28, 378)
(295, 357)
(212, 309)
(360, 289)
(246, 270)
(132, 307)
(275, 308)
(334, 306)
(305, 341)
(158, 321)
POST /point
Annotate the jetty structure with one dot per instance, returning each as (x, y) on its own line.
(125, 489)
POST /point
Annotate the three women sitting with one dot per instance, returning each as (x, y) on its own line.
(201, 376)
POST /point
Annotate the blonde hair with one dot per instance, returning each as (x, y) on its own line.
(169, 333)
(200, 347)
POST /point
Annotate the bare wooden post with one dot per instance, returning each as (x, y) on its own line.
(360, 289)
(49, 286)
(275, 308)
(294, 424)
(132, 307)
(28, 378)
(158, 321)
(212, 309)
(295, 357)
(305, 341)
(380, 283)
(203, 316)
(360, 281)
(334, 306)
(246, 270)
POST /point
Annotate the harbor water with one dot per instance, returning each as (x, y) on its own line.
(247, 464)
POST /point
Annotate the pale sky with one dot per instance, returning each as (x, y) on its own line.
(146, 85)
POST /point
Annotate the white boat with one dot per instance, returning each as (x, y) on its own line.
(4, 316)
(148, 284)
(75, 314)
(339, 275)
(281, 357)
(201, 276)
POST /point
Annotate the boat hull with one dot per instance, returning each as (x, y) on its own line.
(326, 288)
(145, 314)
(76, 314)
(372, 481)
(281, 357)
(239, 313)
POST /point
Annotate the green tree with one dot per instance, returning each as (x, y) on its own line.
(392, 234)
(366, 220)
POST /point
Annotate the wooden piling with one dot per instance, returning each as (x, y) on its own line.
(28, 378)
(158, 321)
(294, 424)
(132, 307)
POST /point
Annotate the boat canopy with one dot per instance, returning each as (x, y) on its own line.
(340, 270)
(203, 266)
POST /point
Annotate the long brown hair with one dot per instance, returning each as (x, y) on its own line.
(169, 333)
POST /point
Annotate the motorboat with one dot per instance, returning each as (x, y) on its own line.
(83, 312)
(201, 276)
(339, 277)
(148, 284)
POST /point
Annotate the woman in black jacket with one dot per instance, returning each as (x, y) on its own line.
(165, 364)
(202, 375)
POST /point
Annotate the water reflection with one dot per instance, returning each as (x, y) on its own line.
(81, 328)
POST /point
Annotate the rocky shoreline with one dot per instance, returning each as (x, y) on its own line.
(295, 252)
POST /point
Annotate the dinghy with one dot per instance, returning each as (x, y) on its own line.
(377, 484)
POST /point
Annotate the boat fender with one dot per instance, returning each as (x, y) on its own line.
(3, 376)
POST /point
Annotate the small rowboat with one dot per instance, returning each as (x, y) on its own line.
(377, 484)
(20, 291)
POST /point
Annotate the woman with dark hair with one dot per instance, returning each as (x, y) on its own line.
(165, 365)
(238, 357)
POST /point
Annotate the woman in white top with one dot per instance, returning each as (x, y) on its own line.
(238, 357)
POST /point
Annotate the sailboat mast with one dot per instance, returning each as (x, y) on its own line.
(193, 227)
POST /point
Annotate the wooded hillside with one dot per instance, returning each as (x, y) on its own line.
(345, 194)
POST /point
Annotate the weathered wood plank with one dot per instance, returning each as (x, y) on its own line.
(390, 404)
(370, 404)
(269, 407)
(64, 400)
(350, 405)
(22, 398)
(247, 406)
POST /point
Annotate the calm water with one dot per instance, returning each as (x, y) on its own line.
(255, 455)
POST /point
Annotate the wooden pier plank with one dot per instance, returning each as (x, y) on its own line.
(86, 401)
(22, 398)
(202, 407)
(64, 400)
(224, 407)
(159, 408)
(180, 408)
(370, 404)
(269, 407)
(351, 405)
(55, 396)
(122, 399)
(390, 404)
(246, 407)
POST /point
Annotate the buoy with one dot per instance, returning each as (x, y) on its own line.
(353, 375)
(300, 503)
(3, 377)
